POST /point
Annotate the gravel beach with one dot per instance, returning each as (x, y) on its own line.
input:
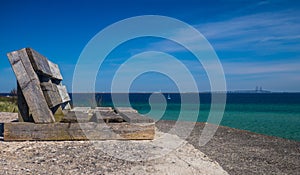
(243, 152)
(156, 156)
(231, 151)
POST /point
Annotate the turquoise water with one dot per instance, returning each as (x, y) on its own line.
(270, 119)
(276, 114)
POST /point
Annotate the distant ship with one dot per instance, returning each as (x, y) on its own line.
(169, 98)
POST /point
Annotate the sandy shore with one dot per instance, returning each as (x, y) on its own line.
(230, 151)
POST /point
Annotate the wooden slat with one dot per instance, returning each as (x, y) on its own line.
(82, 109)
(39, 62)
(92, 115)
(76, 117)
(63, 93)
(30, 86)
(23, 115)
(130, 115)
(23, 131)
(135, 117)
(51, 94)
(103, 109)
(125, 109)
(106, 116)
(22, 55)
(55, 71)
(22, 75)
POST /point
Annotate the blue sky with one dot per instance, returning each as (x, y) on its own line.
(257, 42)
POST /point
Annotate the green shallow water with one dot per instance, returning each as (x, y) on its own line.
(270, 119)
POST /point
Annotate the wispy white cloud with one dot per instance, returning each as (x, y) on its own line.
(254, 68)
(257, 32)
(275, 30)
(262, 34)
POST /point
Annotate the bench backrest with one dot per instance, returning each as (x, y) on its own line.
(40, 89)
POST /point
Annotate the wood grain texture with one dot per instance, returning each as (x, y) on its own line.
(132, 116)
(55, 71)
(30, 86)
(125, 109)
(82, 109)
(106, 115)
(51, 94)
(23, 131)
(62, 90)
(39, 62)
(23, 115)
(76, 117)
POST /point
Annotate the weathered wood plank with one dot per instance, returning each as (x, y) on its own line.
(103, 109)
(21, 55)
(37, 104)
(39, 62)
(135, 117)
(62, 90)
(21, 74)
(76, 117)
(106, 116)
(125, 109)
(23, 115)
(30, 86)
(82, 109)
(23, 131)
(132, 116)
(51, 94)
(55, 71)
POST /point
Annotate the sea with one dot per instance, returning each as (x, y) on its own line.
(274, 114)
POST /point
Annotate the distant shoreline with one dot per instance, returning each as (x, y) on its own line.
(228, 92)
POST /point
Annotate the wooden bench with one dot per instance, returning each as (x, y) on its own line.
(45, 112)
